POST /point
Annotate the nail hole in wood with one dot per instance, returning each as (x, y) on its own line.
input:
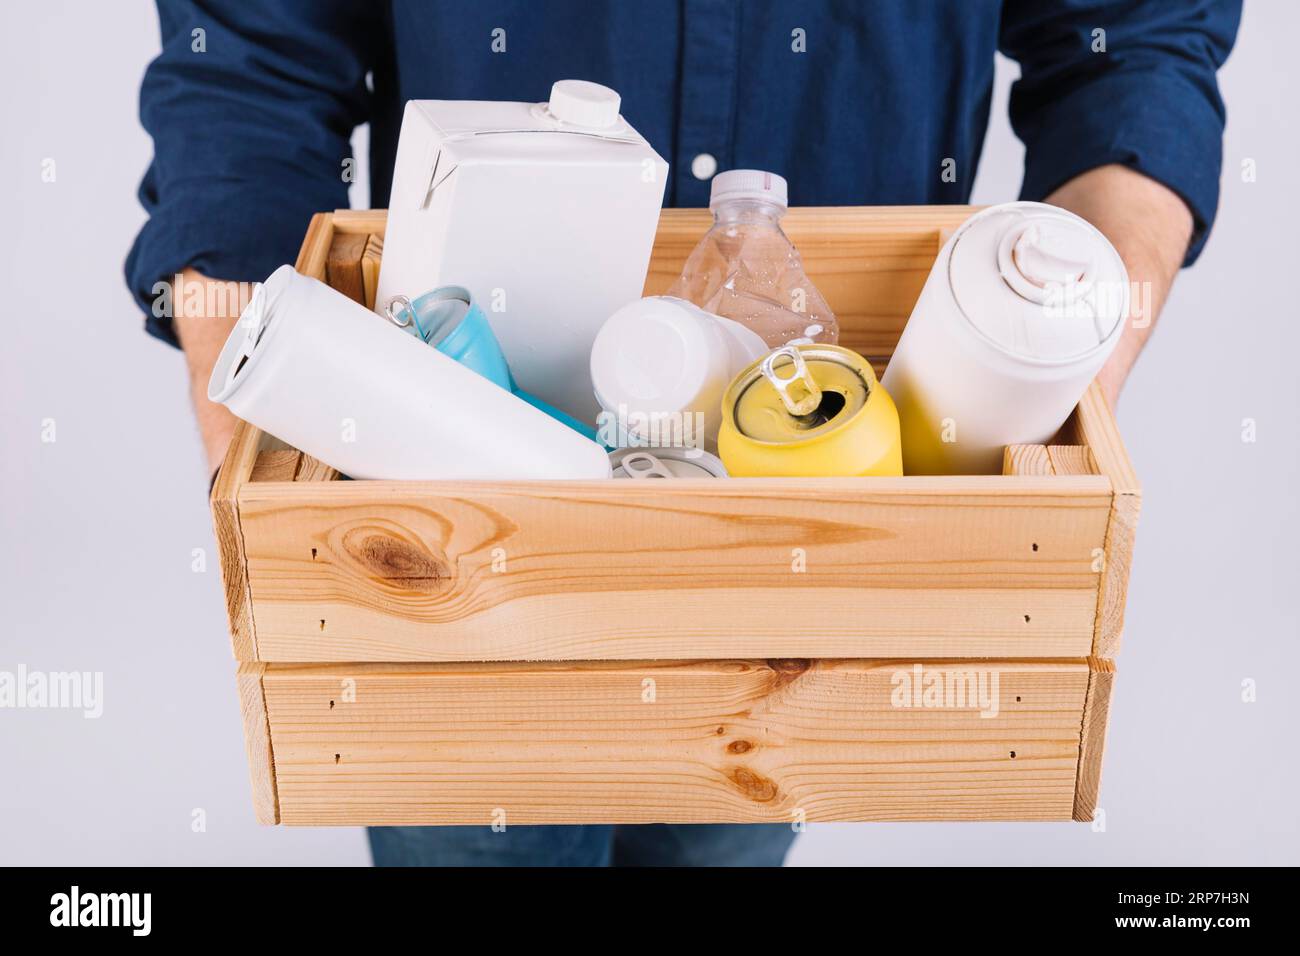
(1026, 621)
(1017, 701)
(1035, 547)
(336, 757)
(332, 703)
(1013, 755)
(313, 552)
(322, 623)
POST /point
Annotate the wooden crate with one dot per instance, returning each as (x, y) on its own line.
(690, 651)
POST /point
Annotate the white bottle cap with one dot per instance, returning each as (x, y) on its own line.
(664, 355)
(1038, 282)
(586, 104)
(748, 184)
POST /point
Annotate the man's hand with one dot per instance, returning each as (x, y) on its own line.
(1150, 227)
(202, 335)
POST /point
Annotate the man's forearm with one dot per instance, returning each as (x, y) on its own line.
(1150, 227)
(202, 324)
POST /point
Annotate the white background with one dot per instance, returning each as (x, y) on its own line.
(98, 527)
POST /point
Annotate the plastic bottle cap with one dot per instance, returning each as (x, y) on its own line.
(748, 184)
(582, 103)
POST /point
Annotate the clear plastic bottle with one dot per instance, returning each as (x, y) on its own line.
(746, 268)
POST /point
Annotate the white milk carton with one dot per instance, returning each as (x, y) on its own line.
(546, 212)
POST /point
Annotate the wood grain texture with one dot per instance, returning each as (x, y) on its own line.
(642, 742)
(234, 473)
(870, 268)
(1026, 460)
(1092, 744)
(276, 465)
(370, 261)
(1099, 431)
(360, 220)
(257, 741)
(1071, 460)
(313, 469)
(315, 250)
(343, 268)
(982, 566)
(269, 442)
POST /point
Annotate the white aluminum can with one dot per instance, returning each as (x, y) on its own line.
(325, 374)
(1022, 308)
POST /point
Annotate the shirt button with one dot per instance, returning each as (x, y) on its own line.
(704, 166)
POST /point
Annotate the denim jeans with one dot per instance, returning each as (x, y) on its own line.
(657, 844)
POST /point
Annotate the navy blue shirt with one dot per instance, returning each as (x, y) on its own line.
(854, 102)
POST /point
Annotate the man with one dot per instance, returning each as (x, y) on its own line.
(251, 107)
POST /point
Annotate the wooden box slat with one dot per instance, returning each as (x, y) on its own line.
(672, 742)
(621, 570)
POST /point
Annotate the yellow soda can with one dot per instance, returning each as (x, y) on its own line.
(807, 411)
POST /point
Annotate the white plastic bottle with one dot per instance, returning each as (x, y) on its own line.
(746, 268)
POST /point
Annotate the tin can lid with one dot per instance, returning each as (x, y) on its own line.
(644, 463)
(759, 411)
(1038, 281)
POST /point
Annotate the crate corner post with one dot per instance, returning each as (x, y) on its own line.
(257, 741)
(1100, 432)
(1092, 738)
(235, 471)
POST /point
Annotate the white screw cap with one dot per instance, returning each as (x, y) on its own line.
(582, 103)
(748, 184)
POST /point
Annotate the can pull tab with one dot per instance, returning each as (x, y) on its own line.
(799, 393)
(642, 464)
(401, 313)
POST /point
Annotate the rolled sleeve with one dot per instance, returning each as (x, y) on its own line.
(251, 122)
(1150, 101)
